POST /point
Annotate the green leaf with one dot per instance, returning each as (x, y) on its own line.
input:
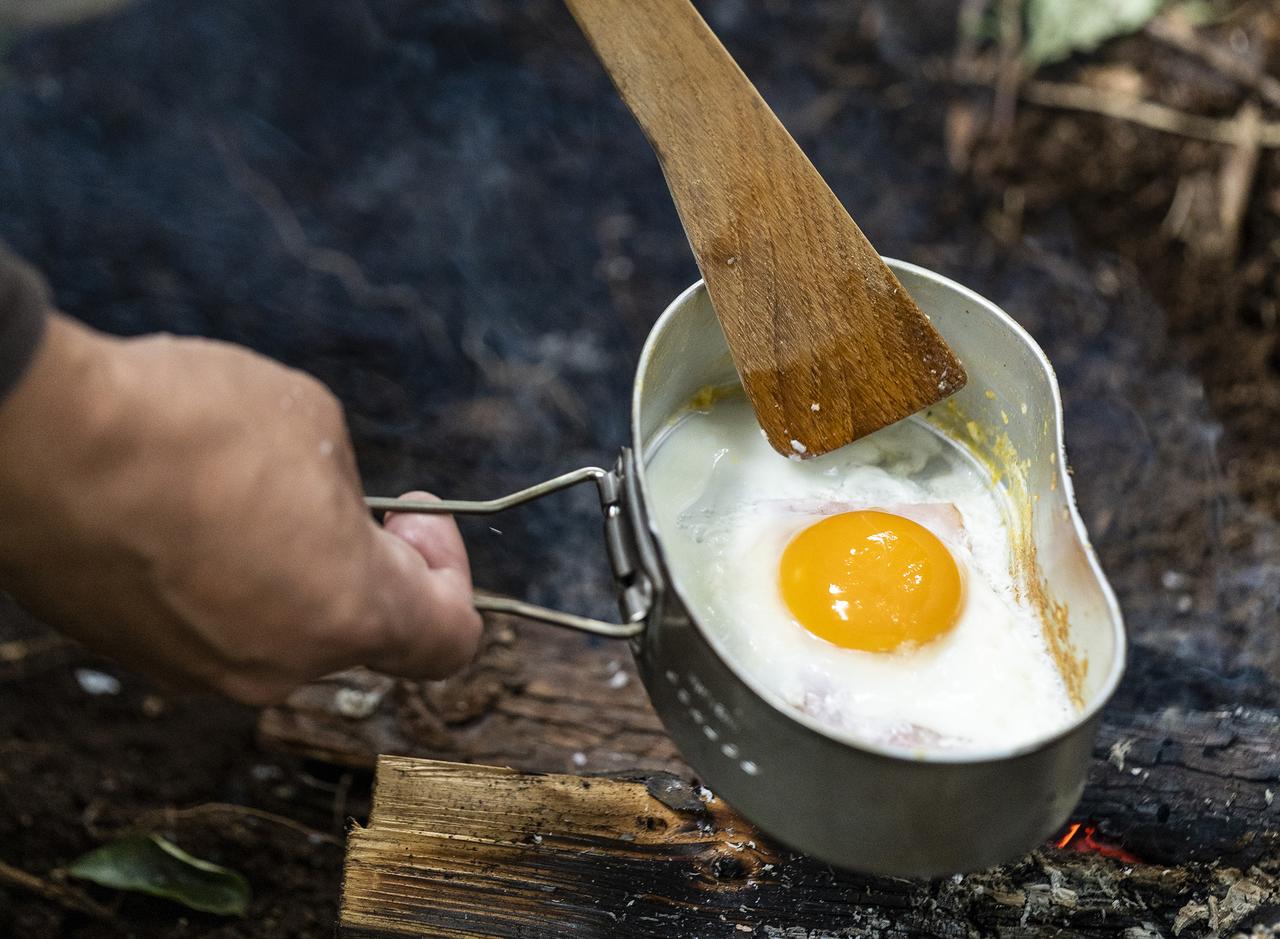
(158, 867)
(1057, 28)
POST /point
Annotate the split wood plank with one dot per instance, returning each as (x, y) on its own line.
(460, 851)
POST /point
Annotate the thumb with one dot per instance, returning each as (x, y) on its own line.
(432, 628)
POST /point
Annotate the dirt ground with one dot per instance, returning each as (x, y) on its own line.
(205, 167)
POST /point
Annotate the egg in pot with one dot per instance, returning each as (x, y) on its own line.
(869, 588)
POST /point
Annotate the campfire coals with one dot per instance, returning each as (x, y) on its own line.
(1079, 837)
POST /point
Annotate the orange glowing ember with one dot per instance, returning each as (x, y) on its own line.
(1071, 833)
(1079, 837)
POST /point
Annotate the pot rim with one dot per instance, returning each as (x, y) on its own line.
(1119, 634)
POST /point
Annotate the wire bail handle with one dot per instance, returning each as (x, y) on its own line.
(635, 591)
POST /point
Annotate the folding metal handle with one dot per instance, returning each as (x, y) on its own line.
(487, 506)
(635, 591)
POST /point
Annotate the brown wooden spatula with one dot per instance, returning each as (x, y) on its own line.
(828, 344)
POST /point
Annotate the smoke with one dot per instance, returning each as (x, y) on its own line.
(443, 210)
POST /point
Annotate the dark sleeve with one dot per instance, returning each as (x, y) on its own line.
(24, 300)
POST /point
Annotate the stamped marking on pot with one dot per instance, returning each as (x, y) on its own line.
(724, 715)
(718, 713)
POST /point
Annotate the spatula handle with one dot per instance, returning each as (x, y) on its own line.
(685, 89)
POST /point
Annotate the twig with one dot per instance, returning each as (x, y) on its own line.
(169, 817)
(1239, 171)
(1178, 217)
(1218, 235)
(1009, 72)
(1147, 113)
(1181, 36)
(60, 894)
(963, 123)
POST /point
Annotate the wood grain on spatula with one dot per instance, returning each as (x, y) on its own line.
(829, 345)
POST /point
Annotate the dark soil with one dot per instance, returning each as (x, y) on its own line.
(1154, 200)
(443, 211)
(77, 769)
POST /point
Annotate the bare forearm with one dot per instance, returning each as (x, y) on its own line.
(57, 422)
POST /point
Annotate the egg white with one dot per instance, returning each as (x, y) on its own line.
(726, 505)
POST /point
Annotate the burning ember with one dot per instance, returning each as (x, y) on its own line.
(1079, 837)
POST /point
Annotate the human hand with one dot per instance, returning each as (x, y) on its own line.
(194, 510)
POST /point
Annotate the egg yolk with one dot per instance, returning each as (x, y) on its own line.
(870, 580)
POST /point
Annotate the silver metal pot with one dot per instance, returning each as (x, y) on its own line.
(850, 803)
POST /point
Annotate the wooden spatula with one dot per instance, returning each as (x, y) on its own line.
(828, 344)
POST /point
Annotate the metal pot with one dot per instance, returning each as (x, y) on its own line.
(847, 802)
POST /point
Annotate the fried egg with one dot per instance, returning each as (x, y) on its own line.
(869, 588)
